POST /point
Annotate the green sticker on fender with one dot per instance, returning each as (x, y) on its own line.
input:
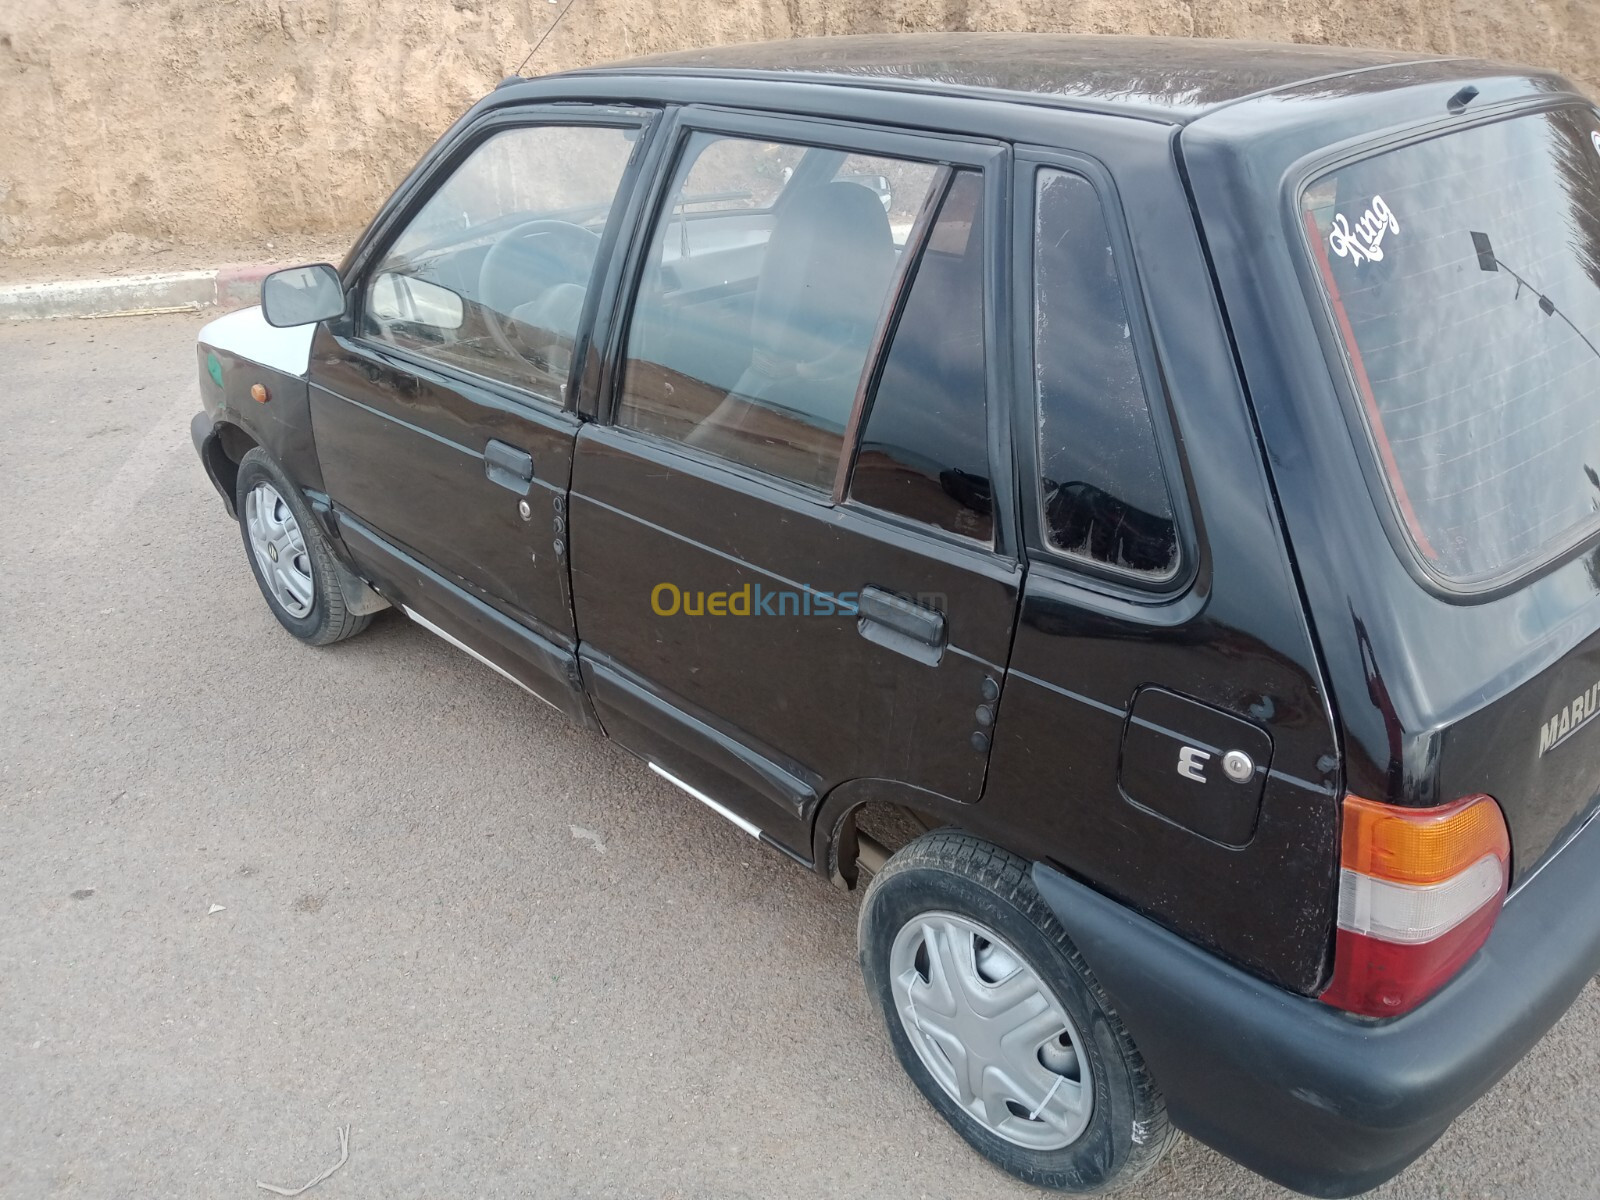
(214, 366)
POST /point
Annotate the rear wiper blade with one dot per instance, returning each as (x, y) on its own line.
(1489, 261)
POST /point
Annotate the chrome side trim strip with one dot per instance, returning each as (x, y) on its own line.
(466, 649)
(708, 801)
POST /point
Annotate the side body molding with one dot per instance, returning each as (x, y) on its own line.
(776, 795)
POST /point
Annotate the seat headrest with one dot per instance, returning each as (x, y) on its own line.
(827, 268)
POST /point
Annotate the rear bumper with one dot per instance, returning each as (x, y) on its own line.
(1317, 1101)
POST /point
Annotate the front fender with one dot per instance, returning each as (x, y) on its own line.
(239, 351)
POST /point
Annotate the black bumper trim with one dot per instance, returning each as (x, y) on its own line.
(1315, 1100)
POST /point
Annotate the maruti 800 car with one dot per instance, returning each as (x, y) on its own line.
(1137, 500)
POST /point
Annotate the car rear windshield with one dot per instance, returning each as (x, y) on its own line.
(1463, 273)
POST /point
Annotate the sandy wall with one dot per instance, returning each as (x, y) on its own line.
(133, 123)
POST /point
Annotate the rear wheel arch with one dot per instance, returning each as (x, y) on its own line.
(863, 819)
(948, 884)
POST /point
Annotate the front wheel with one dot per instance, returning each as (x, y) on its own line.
(999, 1022)
(291, 562)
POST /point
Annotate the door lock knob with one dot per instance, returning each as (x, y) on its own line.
(525, 510)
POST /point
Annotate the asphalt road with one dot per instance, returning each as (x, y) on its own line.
(251, 892)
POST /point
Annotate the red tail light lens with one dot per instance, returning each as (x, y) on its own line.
(1419, 891)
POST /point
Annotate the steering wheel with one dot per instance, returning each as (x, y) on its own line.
(527, 261)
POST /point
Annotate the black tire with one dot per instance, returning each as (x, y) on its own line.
(329, 619)
(949, 872)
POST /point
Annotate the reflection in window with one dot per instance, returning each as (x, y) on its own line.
(727, 197)
(491, 275)
(899, 185)
(1104, 495)
(924, 451)
(752, 325)
(1464, 272)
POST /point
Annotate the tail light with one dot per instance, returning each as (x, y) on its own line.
(1419, 891)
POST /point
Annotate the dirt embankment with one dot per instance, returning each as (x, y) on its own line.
(128, 125)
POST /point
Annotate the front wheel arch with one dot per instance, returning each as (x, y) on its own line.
(221, 453)
(333, 599)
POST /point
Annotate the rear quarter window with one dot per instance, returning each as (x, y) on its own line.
(1463, 275)
(1103, 495)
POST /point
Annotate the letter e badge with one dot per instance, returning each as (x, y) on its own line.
(1192, 763)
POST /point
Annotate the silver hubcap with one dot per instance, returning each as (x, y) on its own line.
(990, 1031)
(280, 549)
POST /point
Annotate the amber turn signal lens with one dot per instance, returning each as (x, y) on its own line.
(1418, 846)
(259, 393)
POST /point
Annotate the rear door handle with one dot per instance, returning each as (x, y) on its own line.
(898, 624)
(508, 466)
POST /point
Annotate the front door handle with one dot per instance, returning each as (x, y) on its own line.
(898, 624)
(508, 466)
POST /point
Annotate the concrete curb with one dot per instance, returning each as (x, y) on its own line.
(136, 295)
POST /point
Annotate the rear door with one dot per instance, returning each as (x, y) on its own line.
(442, 416)
(788, 568)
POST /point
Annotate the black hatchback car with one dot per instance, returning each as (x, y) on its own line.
(1137, 500)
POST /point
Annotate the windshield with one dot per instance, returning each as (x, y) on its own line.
(1464, 276)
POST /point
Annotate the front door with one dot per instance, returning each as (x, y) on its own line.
(441, 412)
(788, 568)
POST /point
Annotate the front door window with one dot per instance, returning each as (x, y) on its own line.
(491, 275)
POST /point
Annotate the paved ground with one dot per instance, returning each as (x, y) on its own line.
(414, 938)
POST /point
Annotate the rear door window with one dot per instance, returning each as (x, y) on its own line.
(924, 450)
(767, 281)
(1463, 274)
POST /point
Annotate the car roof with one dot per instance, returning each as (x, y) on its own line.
(1174, 79)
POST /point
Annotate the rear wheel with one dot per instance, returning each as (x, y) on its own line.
(292, 564)
(998, 1021)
